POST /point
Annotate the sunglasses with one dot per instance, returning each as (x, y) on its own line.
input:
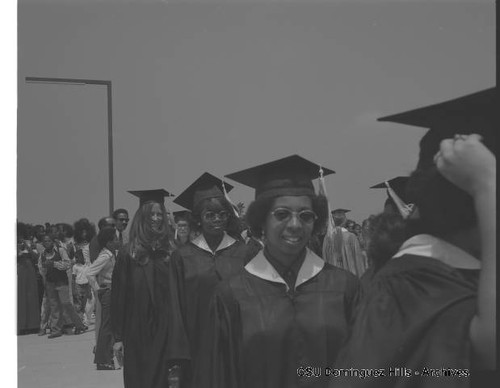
(211, 216)
(123, 219)
(284, 215)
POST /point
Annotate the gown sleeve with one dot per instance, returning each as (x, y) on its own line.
(179, 345)
(119, 295)
(414, 318)
(225, 328)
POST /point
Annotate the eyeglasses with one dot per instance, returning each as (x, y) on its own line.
(210, 216)
(284, 215)
(123, 219)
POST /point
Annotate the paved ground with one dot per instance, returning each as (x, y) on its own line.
(64, 362)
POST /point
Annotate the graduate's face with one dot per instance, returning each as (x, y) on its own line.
(214, 218)
(156, 217)
(289, 236)
(183, 228)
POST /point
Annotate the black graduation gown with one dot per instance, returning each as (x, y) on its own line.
(139, 310)
(414, 313)
(28, 307)
(263, 335)
(194, 273)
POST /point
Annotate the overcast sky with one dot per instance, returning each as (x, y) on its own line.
(221, 86)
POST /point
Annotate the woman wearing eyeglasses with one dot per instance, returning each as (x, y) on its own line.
(282, 319)
(197, 267)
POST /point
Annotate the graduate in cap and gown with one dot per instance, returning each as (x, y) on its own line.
(343, 249)
(396, 194)
(197, 267)
(396, 204)
(139, 295)
(427, 317)
(183, 227)
(288, 309)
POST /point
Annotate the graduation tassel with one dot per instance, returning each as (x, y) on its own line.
(171, 222)
(404, 209)
(226, 195)
(328, 245)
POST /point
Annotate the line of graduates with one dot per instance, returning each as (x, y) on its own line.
(221, 311)
(255, 313)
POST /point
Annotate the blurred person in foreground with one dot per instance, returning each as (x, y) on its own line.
(430, 306)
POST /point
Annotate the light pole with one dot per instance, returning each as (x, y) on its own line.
(72, 81)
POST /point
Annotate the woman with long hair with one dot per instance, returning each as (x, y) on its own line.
(84, 232)
(197, 267)
(288, 310)
(430, 305)
(139, 294)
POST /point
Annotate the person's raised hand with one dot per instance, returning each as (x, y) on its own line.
(466, 162)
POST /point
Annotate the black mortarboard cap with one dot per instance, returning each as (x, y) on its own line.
(292, 175)
(157, 195)
(181, 214)
(473, 113)
(340, 210)
(398, 184)
(207, 186)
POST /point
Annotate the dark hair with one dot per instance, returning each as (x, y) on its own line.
(102, 222)
(443, 209)
(349, 221)
(105, 235)
(24, 231)
(259, 209)
(142, 237)
(233, 227)
(81, 225)
(66, 230)
(79, 258)
(119, 211)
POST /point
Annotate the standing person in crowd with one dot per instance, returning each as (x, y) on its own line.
(94, 250)
(45, 313)
(197, 267)
(56, 262)
(99, 275)
(38, 249)
(121, 221)
(183, 228)
(66, 241)
(346, 252)
(288, 308)
(357, 230)
(84, 233)
(349, 225)
(431, 304)
(83, 292)
(139, 295)
(396, 194)
(28, 307)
